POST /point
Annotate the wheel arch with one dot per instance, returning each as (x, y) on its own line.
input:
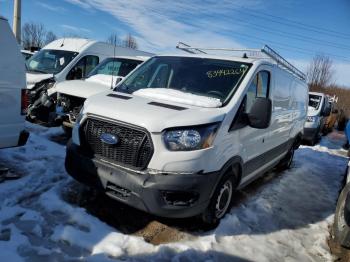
(235, 161)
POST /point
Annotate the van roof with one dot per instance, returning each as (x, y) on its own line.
(139, 58)
(317, 93)
(70, 44)
(221, 57)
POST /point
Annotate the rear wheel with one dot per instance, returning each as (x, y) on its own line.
(220, 202)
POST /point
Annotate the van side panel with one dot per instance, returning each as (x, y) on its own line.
(300, 104)
(282, 111)
(12, 80)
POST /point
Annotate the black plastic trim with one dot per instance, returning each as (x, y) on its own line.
(178, 108)
(119, 96)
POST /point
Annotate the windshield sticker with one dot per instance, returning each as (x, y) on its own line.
(226, 72)
(62, 61)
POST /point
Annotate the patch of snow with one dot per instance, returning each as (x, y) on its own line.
(177, 96)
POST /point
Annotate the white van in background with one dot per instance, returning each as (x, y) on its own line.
(13, 96)
(27, 54)
(61, 60)
(319, 108)
(72, 94)
(180, 133)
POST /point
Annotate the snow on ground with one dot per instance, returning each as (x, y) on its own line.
(283, 217)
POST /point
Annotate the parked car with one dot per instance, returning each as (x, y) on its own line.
(13, 96)
(72, 94)
(26, 54)
(318, 109)
(330, 120)
(62, 60)
(341, 225)
(179, 134)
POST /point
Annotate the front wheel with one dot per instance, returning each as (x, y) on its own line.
(220, 202)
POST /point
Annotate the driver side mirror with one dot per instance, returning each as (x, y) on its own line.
(117, 81)
(260, 113)
(327, 111)
(75, 73)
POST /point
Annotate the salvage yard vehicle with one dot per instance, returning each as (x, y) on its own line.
(13, 93)
(71, 95)
(331, 120)
(180, 133)
(319, 108)
(62, 60)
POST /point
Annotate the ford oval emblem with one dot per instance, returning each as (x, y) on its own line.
(109, 139)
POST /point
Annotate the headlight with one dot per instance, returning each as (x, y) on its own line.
(191, 138)
(311, 119)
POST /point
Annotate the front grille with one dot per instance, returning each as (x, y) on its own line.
(134, 149)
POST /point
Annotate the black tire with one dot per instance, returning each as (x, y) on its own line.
(314, 140)
(287, 161)
(221, 200)
(341, 229)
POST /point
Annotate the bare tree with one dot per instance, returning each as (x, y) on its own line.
(50, 36)
(113, 39)
(320, 72)
(33, 35)
(130, 42)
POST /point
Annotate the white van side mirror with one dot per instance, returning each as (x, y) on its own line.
(117, 81)
(260, 113)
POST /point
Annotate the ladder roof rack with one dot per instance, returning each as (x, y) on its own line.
(265, 52)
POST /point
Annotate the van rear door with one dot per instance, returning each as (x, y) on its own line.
(12, 81)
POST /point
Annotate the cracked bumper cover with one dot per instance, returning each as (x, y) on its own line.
(143, 191)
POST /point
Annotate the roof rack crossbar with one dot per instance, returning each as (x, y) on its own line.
(256, 53)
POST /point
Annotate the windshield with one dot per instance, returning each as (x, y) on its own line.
(50, 61)
(314, 101)
(115, 66)
(200, 76)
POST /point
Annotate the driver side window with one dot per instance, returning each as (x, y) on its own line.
(259, 87)
(83, 67)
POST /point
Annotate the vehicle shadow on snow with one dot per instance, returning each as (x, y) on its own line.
(292, 199)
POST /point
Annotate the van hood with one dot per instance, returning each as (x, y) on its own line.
(107, 80)
(80, 88)
(33, 78)
(152, 114)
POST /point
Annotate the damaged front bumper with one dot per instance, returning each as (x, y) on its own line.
(162, 194)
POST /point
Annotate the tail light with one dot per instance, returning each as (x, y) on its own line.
(24, 101)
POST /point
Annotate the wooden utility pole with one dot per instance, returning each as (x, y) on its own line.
(17, 20)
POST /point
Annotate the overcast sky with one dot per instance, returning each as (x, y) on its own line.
(298, 29)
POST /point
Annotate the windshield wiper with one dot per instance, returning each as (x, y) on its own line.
(123, 88)
(37, 71)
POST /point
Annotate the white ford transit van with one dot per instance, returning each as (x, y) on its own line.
(62, 60)
(181, 132)
(72, 94)
(13, 97)
(319, 108)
